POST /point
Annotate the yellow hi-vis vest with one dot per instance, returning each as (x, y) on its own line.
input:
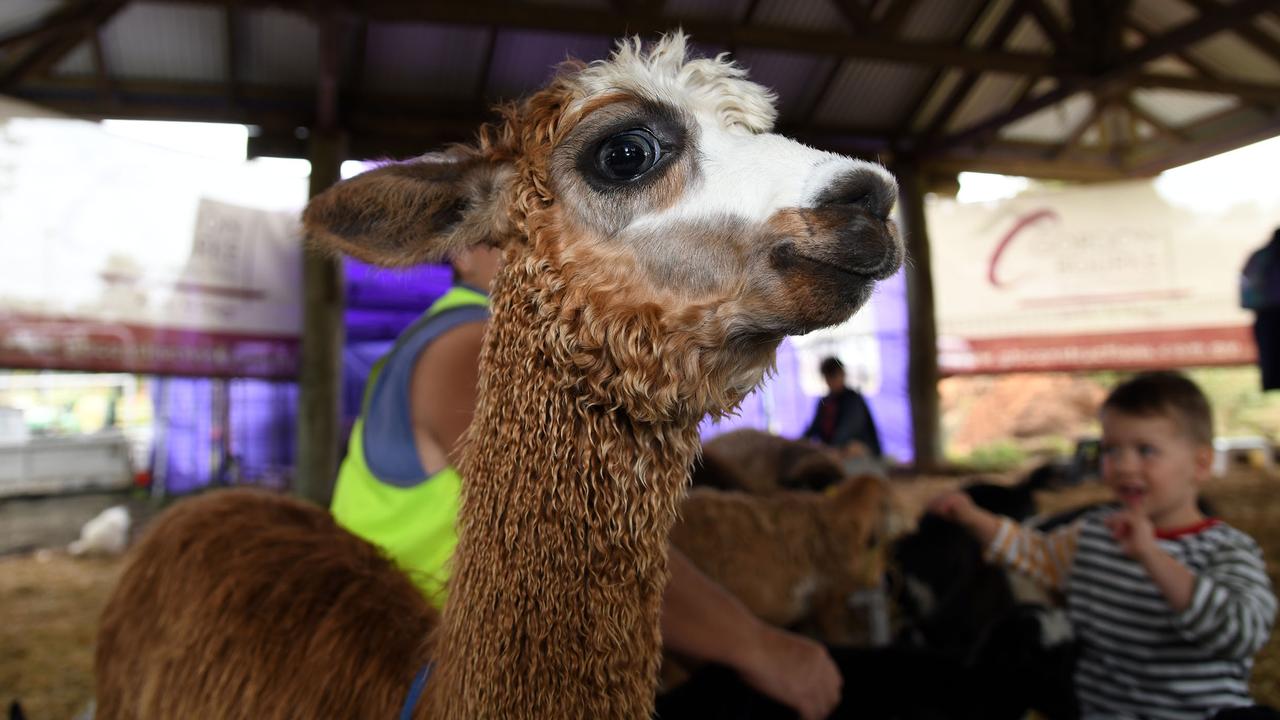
(416, 525)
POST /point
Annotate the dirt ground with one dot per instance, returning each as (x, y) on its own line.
(49, 602)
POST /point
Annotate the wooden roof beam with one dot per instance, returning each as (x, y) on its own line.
(1008, 22)
(570, 19)
(913, 116)
(54, 21)
(1077, 133)
(893, 18)
(855, 14)
(486, 67)
(101, 71)
(1161, 127)
(1252, 35)
(231, 26)
(1051, 27)
(60, 39)
(1122, 73)
(1251, 91)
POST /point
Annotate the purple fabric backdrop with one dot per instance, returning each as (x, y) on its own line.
(782, 404)
(381, 303)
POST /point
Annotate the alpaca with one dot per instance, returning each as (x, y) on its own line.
(659, 242)
(760, 462)
(793, 558)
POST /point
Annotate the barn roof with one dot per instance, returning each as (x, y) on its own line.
(1073, 89)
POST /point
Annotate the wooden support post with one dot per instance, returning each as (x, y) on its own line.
(922, 333)
(320, 384)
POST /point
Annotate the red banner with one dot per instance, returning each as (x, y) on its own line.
(1101, 351)
(69, 344)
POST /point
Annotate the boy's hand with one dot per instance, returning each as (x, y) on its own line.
(955, 506)
(1133, 531)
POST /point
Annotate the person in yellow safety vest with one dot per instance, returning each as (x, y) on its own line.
(398, 489)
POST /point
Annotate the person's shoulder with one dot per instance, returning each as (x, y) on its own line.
(1222, 534)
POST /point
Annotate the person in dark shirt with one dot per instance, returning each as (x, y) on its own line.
(842, 419)
(1260, 292)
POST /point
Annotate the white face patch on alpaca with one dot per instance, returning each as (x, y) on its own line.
(752, 177)
(671, 186)
(743, 172)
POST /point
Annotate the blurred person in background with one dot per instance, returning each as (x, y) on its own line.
(1260, 292)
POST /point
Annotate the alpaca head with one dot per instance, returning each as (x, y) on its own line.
(868, 518)
(667, 237)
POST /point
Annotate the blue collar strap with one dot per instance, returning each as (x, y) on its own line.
(415, 692)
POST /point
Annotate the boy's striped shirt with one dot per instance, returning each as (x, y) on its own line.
(1139, 659)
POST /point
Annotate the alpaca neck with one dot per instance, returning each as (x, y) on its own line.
(561, 562)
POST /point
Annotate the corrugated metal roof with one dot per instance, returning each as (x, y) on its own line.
(417, 59)
(1027, 37)
(1177, 108)
(16, 13)
(78, 64)
(1052, 124)
(524, 61)
(160, 41)
(1161, 15)
(939, 20)
(1230, 56)
(722, 10)
(812, 15)
(794, 77)
(988, 95)
(871, 94)
(281, 48)
(881, 85)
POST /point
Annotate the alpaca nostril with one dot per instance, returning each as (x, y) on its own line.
(863, 188)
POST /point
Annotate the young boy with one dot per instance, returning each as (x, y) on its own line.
(1169, 606)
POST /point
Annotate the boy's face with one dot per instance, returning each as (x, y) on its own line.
(1152, 463)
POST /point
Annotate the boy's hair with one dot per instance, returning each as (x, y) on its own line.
(1167, 394)
(830, 366)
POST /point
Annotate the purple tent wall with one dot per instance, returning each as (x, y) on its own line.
(264, 430)
(781, 403)
(382, 303)
(188, 433)
(263, 425)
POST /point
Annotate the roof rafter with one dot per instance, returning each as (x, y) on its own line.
(60, 39)
(892, 19)
(1122, 73)
(921, 100)
(1257, 92)
(856, 14)
(1161, 126)
(1012, 16)
(1258, 39)
(558, 18)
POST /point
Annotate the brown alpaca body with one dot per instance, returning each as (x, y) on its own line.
(759, 462)
(229, 634)
(625, 313)
(793, 558)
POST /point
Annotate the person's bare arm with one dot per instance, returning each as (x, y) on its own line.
(958, 507)
(443, 392)
(702, 620)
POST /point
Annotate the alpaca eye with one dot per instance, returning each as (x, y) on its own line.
(628, 155)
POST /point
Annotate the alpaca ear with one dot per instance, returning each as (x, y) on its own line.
(423, 210)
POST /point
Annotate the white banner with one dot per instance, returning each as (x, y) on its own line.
(1093, 277)
(120, 255)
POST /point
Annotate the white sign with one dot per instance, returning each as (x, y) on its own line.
(119, 255)
(1102, 276)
